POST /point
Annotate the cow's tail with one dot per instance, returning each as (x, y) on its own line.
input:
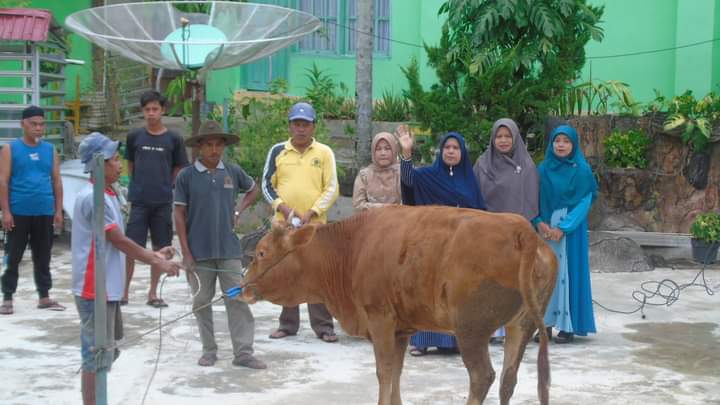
(528, 242)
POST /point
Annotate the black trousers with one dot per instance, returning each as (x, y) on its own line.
(38, 230)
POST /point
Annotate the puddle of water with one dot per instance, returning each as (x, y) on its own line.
(687, 348)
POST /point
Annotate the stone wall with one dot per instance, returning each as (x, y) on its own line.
(656, 199)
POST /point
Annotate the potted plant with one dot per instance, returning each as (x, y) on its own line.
(705, 231)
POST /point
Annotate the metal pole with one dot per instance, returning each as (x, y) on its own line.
(226, 114)
(197, 89)
(35, 75)
(98, 172)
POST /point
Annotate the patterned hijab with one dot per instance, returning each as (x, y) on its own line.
(509, 182)
(435, 185)
(383, 183)
(564, 181)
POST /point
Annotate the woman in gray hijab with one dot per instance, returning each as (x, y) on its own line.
(507, 177)
(506, 173)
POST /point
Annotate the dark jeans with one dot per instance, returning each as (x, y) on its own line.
(38, 230)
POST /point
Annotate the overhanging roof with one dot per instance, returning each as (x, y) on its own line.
(27, 24)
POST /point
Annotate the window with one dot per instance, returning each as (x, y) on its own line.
(324, 40)
(381, 28)
(338, 34)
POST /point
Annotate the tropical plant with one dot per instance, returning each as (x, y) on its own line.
(695, 116)
(706, 227)
(597, 97)
(176, 91)
(330, 99)
(659, 104)
(627, 149)
(501, 58)
(391, 107)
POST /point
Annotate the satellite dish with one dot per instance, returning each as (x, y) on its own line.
(161, 35)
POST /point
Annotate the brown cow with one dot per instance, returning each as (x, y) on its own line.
(389, 272)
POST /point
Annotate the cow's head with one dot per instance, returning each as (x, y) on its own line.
(276, 272)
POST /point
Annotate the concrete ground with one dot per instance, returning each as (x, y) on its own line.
(672, 357)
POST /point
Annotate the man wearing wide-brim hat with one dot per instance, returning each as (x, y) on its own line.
(211, 129)
(205, 196)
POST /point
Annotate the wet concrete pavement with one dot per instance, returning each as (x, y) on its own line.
(672, 357)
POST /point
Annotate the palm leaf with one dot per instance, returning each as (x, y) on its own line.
(507, 8)
(674, 121)
(545, 19)
(487, 21)
(703, 124)
(566, 7)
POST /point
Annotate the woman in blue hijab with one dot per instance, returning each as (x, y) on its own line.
(567, 191)
(448, 181)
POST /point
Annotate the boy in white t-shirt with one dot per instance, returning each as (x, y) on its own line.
(83, 251)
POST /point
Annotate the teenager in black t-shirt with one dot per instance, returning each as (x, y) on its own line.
(155, 155)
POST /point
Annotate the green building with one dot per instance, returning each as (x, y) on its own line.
(668, 45)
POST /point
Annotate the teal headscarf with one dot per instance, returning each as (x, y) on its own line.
(564, 181)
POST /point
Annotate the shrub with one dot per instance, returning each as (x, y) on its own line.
(331, 100)
(391, 107)
(696, 116)
(627, 149)
(706, 227)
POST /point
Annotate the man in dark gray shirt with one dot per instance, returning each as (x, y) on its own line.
(205, 196)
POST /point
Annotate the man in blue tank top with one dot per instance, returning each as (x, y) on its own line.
(31, 202)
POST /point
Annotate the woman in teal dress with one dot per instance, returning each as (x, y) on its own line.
(567, 191)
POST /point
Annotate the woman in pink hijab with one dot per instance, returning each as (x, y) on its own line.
(378, 184)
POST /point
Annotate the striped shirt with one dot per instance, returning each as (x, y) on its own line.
(304, 181)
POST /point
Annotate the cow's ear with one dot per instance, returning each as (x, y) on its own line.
(279, 228)
(302, 236)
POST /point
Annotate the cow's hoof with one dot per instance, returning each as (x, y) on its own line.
(564, 337)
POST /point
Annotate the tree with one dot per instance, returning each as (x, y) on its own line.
(501, 58)
(363, 81)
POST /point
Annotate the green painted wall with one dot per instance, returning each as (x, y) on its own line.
(694, 66)
(632, 26)
(430, 30)
(641, 25)
(80, 49)
(716, 51)
(409, 23)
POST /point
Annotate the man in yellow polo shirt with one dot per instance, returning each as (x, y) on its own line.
(300, 181)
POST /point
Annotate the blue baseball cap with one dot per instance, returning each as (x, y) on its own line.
(96, 143)
(302, 111)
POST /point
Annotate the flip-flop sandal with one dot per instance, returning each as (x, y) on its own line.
(280, 333)
(328, 337)
(157, 303)
(6, 309)
(52, 305)
(415, 352)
